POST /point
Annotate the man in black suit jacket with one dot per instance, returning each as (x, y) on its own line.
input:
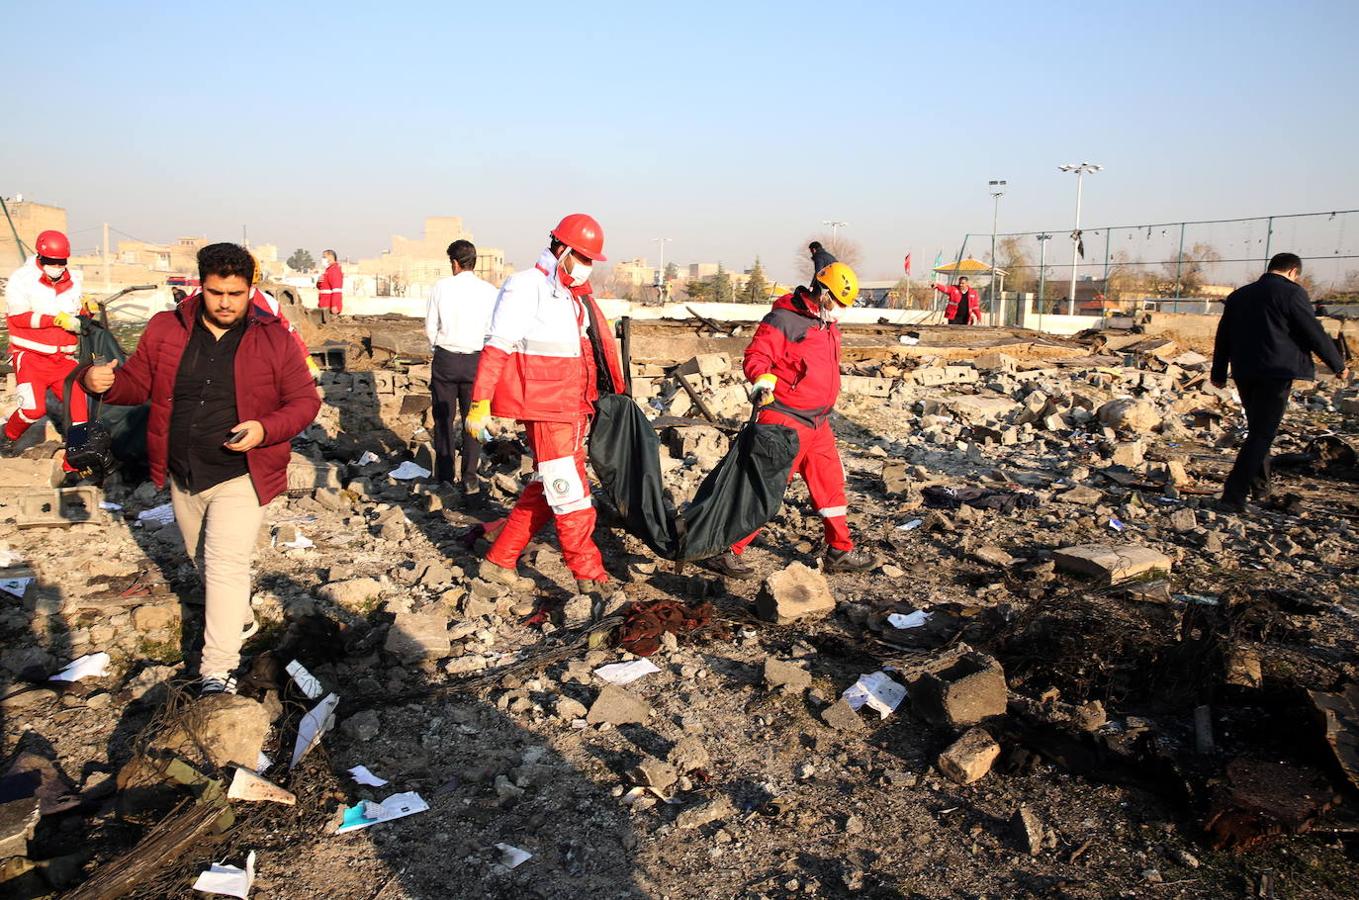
(1267, 334)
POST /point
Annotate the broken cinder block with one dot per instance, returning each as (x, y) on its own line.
(960, 691)
(1111, 563)
(795, 594)
(969, 758)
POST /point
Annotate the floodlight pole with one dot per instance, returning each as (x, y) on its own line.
(665, 287)
(1080, 171)
(1042, 271)
(834, 227)
(997, 191)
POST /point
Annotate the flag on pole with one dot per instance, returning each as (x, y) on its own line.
(908, 263)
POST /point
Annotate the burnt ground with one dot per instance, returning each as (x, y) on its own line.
(815, 811)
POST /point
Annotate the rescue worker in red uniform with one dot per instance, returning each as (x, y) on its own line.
(793, 364)
(330, 286)
(44, 317)
(547, 357)
(964, 303)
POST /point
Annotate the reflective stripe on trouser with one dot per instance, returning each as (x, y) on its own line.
(818, 462)
(35, 374)
(560, 489)
(220, 526)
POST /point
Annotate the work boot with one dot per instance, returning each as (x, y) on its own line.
(729, 565)
(6, 446)
(847, 561)
(489, 571)
(1229, 507)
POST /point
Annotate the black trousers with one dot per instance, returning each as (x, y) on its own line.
(1265, 400)
(451, 378)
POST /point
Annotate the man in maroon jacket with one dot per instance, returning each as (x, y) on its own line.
(228, 393)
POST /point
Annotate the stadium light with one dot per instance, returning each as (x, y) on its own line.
(1081, 170)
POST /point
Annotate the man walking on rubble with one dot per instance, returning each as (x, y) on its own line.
(228, 391)
(45, 320)
(547, 358)
(1267, 335)
(793, 363)
(456, 323)
(330, 286)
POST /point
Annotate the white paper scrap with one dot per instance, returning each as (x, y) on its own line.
(264, 763)
(511, 856)
(626, 672)
(368, 813)
(301, 542)
(408, 470)
(16, 586)
(908, 340)
(911, 525)
(9, 557)
(363, 775)
(914, 620)
(157, 515)
(110, 506)
(91, 665)
(368, 457)
(313, 727)
(876, 691)
(305, 681)
(229, 881)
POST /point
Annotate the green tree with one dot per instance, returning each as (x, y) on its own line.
(699, 290)
(722, 289)
(671, 272)
(757, 286)
(301, 261)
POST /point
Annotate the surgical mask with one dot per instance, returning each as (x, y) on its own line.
(54, 272)
(580, 274)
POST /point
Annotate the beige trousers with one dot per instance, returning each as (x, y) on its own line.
(220, 527)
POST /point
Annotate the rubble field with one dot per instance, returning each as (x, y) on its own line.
(1068, 676)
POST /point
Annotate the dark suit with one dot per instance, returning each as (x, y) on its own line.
(1267, 335)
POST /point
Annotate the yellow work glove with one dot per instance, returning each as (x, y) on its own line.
(68, 322)
(477, 417)
(313, 368)
(90, 305)
(762, 392)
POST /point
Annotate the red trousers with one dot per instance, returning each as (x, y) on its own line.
(818, 462)
(559, 490)
(36, 373)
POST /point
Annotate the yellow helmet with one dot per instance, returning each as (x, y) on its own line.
(841, 281)
(256, 260)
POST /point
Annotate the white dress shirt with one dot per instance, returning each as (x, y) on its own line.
(459, 314)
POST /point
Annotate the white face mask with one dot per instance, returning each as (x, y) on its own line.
(580, 274)
(54, 272)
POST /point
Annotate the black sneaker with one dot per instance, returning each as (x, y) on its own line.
(847, 561)
(729, 565)
(6, 446)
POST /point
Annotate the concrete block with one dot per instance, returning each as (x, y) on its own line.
(1128, 453)
(1111, 563)
(960, 691)
(60, 507)
(961, 375)
(795, 594)
(865, 386)
(969, 758)
(21, 472)
(308, 475)
(705, 364)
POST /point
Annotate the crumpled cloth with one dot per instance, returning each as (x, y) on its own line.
(644, 623)
(939, 497)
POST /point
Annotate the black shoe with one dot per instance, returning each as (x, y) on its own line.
(729, 565)
(6, 446)
(847, 561)
(70, 480)
(1229, 507)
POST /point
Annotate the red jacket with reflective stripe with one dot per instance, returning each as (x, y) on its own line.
(32, 302)
(955, 296)
(802, 351)
(331, 285)
(540, 362)
(273, 387)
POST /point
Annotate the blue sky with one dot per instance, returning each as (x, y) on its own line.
(733, 128)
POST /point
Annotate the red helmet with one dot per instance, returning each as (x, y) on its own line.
(53, 245)
(582, 234)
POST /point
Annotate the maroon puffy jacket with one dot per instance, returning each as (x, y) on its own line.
(273, 387)
(803, 352)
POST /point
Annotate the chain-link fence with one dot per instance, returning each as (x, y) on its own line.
(1170, 264)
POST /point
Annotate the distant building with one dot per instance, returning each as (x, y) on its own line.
(634, 273)
(30, 219)
(414, 264)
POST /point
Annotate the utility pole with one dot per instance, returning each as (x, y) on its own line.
(1042, 272)
(834, 226)
(108, 286)
(665, 288)
(997, 189)
(245, 238)
(1081, 170)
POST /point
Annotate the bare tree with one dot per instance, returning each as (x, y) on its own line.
(842, 248)
(1190, 267)
(1020, 273)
